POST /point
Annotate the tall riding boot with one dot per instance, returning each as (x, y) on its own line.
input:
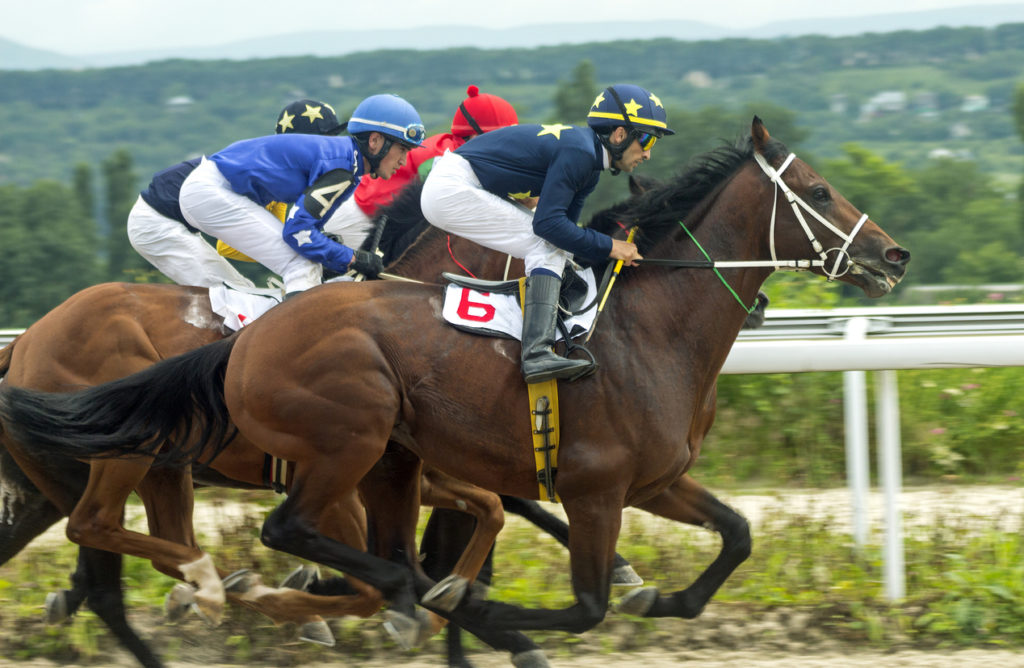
(540, 363)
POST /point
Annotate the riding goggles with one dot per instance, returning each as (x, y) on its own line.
(414, 133)
(646, 139)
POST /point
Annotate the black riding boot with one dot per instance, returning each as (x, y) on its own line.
(540, 363)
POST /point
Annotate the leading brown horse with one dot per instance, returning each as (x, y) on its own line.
(328, 379)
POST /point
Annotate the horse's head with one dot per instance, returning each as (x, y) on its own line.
(810, 214)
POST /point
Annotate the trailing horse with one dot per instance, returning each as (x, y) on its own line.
(112, 330)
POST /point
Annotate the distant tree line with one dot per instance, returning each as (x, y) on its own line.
(64, 233)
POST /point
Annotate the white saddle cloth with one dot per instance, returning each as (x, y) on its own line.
(494, 314)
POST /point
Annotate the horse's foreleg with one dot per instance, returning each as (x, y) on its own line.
(595, 522)
(443, 491)
(97, 522)
(528, 509)
(99, 578)
(687, 501)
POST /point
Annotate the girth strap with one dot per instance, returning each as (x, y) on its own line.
(275, 473)
(544, 427)
(544, 424)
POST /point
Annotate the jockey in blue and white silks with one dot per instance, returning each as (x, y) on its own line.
(471, 193)
(158, 231)
(226, 194)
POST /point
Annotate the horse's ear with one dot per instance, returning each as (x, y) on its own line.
(759, 133)
(638, 185)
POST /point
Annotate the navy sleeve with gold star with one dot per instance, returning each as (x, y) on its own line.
(559, 163)
(316, 173)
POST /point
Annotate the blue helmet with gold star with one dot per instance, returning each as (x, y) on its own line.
(308, 117)
(629, 106)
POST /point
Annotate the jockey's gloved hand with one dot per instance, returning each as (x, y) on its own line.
(366, 263)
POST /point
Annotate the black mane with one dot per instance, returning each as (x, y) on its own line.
(658, 211)
(404, 224)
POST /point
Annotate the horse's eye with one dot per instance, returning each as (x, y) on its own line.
(821, 195)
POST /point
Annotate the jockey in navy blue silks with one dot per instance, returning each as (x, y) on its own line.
(159, 232)
(226, 194)
(472, 191)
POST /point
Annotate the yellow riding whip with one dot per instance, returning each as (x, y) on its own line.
(608, 290)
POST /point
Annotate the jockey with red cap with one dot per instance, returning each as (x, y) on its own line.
(477, 114)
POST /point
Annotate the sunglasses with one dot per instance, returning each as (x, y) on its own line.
(646, 139)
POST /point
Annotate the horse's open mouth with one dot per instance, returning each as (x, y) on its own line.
(874, 280)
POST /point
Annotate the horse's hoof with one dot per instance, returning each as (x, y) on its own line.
(239, 582)
(210, 608)
(301, 578)
(638, 602)
(318, 633)
(427, 629)
(533, 659)
(447, 593)
(56, 607)
(178, 601)
(625, 576)
(404, 630)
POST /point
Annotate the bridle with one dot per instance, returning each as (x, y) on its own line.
(775, 175)
(839, 268)
(797, 204)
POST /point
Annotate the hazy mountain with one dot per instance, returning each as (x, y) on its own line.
(14, 56)
(334, 43)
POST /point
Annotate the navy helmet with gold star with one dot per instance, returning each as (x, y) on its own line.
(629, 106)
(308, 117)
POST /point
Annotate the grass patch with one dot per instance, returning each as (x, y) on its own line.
(804, 583)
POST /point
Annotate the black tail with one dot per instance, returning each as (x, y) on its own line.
(178, 402)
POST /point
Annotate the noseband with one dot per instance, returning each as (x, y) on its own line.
(797, 204)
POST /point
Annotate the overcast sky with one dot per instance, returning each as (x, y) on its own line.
(79, 27)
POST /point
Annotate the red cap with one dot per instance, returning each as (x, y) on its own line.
(489, 112)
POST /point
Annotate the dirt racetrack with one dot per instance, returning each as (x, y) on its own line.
(724, 635)
(972, 658)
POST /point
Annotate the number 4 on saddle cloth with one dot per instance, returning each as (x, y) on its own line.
(494, 308)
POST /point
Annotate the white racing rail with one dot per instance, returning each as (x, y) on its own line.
(883, 340)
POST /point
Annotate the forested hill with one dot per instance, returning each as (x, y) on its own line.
(904, 93)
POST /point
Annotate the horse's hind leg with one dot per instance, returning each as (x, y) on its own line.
(687, 501)
(25, 512)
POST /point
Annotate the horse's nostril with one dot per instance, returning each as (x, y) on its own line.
(897, 255)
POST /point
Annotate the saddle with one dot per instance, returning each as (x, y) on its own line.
(572, 297)
(543, 396)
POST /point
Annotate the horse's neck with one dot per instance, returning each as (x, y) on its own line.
(424, 258)
(430, 255)
(694, 308)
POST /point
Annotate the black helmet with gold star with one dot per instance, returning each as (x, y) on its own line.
(308, 117)
(629, 106)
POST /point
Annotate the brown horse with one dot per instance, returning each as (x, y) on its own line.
(328, 379)
(112, 330)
